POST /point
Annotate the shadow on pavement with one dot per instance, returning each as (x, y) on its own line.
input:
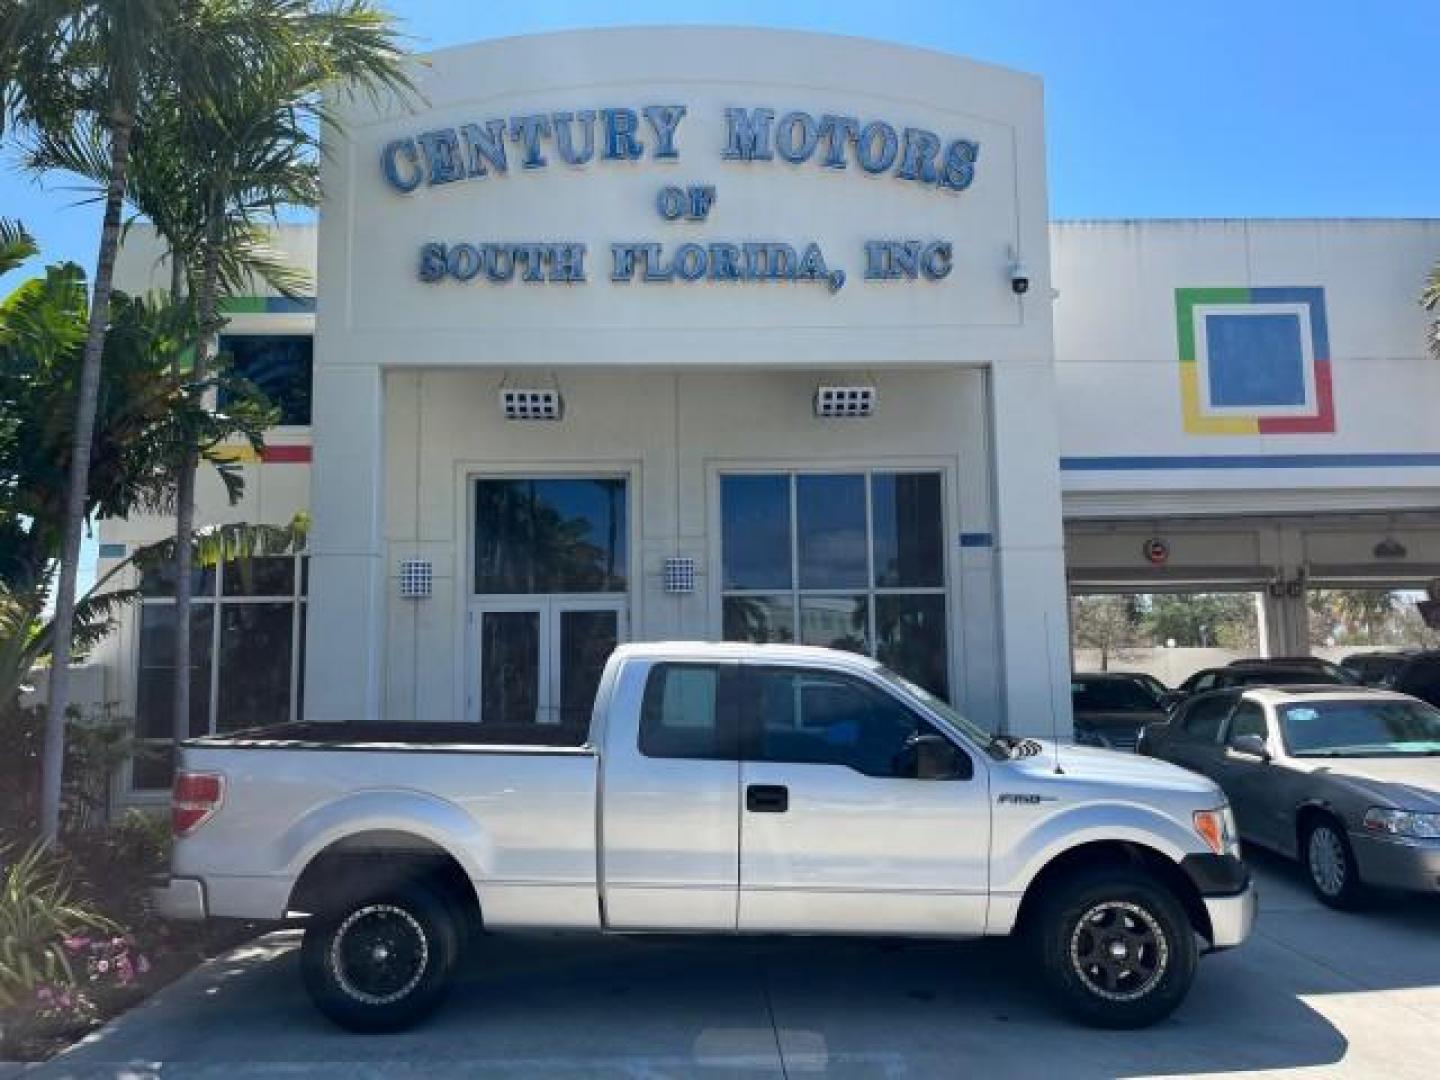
(662, 1007)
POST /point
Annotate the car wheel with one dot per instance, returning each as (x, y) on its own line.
(381, 962)
(1117, 948)
(1330, 865)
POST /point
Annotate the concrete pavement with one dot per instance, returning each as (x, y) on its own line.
(1314, 993)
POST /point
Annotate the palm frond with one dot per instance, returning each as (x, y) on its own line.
(16, 245)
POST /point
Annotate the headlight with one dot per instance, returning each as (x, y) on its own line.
(1403, 822)
(1217, 829)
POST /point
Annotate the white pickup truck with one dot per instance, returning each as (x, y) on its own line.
(720, 789)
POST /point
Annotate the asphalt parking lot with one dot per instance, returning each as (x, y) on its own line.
(1314, 993)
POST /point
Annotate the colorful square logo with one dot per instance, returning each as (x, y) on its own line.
(1254, 361)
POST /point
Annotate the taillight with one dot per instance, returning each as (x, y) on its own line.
(193, 800)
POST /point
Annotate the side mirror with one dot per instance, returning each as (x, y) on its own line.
(1251, 746)
(937, 758)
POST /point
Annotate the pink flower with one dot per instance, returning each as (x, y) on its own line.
(76, 942)
(45, 993)
(65, 1001)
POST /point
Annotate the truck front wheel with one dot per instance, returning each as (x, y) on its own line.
(1117, 948)
(381, 962)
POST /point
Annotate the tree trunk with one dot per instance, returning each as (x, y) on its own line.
(185, 498)
(87, 398)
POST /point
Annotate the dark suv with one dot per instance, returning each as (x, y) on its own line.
(1419, 677)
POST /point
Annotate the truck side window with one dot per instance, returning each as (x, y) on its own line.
(683, 714)
(818, 717)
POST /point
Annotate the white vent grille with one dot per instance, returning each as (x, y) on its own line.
(680, 574)
(417, 579)
(844, 402)
(521, 404)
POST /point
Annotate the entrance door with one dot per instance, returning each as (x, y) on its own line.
(549, 585)
(539, 660)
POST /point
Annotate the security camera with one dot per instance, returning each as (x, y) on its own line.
(1019, 278)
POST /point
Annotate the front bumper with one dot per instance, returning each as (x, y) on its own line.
(1394, 862)
(1231, 917)
(179, 898)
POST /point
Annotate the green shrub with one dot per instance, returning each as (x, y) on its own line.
(113, 866)
(95, 747)
(43, 928)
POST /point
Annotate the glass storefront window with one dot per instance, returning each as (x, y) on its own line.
(765, 620)
(869, 556)
(755, 531)
(558, 535)
(255, 653)
(280, 367)
(830, 531)
(246, 667)
(835, 622)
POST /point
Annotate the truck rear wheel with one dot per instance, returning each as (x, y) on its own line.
(1117, 948)
(381, 962)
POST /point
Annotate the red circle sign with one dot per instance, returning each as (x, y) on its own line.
(1157, 551)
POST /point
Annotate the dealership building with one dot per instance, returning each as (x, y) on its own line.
(707, 333)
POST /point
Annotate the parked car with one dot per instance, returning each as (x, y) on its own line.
(1111, 707)
(1346, 779)
(1419, 677)
(1257, 675)
(1332, 672)
(1377, 668)
(719, 789)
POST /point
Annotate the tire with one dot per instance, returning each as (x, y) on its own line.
(382, 961)
(1084, 922)
(1330, 865)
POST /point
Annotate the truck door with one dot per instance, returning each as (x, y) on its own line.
(670, 798)
(847, 822)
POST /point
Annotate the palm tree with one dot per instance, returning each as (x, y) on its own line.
(256, 151)
(107, 64)
(68, 58)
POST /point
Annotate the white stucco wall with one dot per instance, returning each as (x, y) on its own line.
(377, 319)
(1117, 364)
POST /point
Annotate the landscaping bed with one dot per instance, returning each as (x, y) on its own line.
(79, 942)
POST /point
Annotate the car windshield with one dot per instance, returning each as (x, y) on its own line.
(1360, 728)
(1112, 695)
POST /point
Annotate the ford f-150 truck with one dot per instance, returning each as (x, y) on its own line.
(718, 789)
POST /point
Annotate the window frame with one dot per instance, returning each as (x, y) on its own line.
(216, 600)
(750, 727)
(869, 592)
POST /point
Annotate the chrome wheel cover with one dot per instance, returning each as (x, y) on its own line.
(1329, 866)
(1119, 951)
(379, 953)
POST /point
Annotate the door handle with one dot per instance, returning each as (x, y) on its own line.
(767, 799)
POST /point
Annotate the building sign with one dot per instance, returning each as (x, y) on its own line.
(477, 151)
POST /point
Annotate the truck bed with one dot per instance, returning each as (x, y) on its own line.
(400, 736)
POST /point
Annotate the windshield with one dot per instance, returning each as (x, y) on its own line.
(939, 706)
(1360, 728)
(1112, 695)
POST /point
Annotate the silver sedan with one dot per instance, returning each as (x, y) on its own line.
(1345, 780)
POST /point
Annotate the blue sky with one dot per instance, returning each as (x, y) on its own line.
(1210, 109)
